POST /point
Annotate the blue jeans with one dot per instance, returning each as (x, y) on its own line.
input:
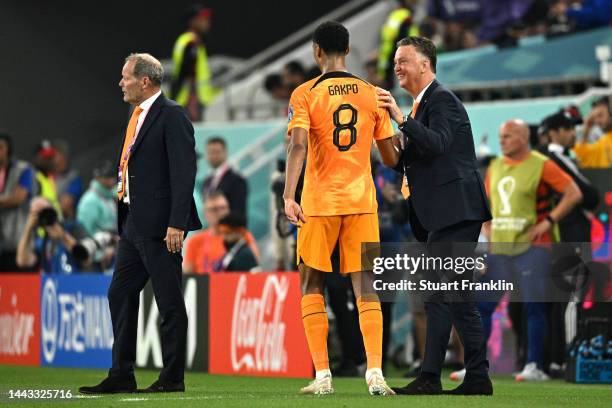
(529, 269)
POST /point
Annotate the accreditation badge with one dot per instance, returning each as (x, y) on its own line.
(119, 183)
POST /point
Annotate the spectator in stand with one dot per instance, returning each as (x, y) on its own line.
(503, 21)
(599, 153)
(52, 251)
(293, 75)
(17, 188)
(463, 11)
(584, 14)
(238, 255)
(205, 248)
(273, 83)
(223, 178)
(453, 22)
(68, 183)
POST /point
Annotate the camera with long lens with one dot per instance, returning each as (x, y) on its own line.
(47, 217)
(86, 248)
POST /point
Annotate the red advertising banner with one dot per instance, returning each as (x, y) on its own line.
(20, 319)
(255, 325)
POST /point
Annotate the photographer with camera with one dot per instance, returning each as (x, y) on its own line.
(53, 251)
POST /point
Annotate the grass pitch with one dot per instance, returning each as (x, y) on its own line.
(204, 390)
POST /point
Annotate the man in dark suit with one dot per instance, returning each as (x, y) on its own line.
(223, 178)
(447, 204)
(157, 168)
(560, 128)
(574, 228)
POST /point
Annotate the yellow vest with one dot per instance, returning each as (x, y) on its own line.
(389, 35)
(204, 88)
(48, 191)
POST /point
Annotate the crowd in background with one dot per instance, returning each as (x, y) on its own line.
(455, 25)
(48, 220)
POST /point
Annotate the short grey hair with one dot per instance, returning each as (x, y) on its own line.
(146, 65)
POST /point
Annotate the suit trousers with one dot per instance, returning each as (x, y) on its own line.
(443, 314)
(138, 260)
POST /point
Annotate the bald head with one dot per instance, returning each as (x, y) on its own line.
(514, 138)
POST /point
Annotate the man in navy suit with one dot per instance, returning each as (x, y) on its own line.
(447, 204)
(156, 175)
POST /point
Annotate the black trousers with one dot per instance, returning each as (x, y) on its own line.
(442, 315)
(139, 259)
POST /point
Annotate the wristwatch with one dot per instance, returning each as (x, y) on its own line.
(550, 219)
(401, 126)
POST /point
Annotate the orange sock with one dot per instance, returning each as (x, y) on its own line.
(316, 327)
(371, 324)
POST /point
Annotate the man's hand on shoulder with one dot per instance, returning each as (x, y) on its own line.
(387, 101)
(174, 239)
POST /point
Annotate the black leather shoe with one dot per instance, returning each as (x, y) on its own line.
(473, 387)
(420, 386)
(165, 386)
(111, 385)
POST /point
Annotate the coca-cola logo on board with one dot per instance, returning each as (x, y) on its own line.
(258, 330)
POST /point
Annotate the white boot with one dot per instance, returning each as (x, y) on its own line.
(321, 385)
(376, 382)
(531, 372)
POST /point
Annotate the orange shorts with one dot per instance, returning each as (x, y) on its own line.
(317, 239)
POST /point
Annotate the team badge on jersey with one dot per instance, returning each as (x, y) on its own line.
(290, 114)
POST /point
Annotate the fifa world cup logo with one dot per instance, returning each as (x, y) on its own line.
(505, 188)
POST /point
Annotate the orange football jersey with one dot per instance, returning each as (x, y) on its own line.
(341, 114)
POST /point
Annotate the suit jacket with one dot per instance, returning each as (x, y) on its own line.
(440, 164)
(234, 187)
(162, 170)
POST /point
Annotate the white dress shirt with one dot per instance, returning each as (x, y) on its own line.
(420, 96)
(145, 106)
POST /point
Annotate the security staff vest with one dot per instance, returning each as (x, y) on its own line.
(513, 195)
(204, 89)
